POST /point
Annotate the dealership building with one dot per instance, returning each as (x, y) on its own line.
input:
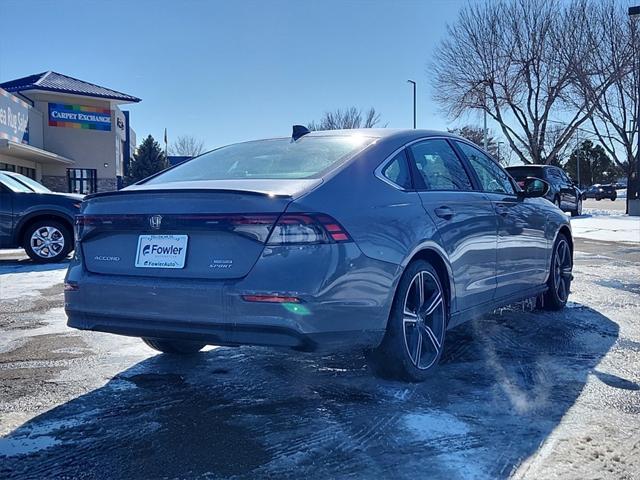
(66, 133)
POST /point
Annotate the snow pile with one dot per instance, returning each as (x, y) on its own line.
(613, 228)
(622, 193)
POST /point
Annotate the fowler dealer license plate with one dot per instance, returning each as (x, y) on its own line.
(161, 251)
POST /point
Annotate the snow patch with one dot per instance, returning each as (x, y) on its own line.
(615, 228)
(433, 425)
(20, 281)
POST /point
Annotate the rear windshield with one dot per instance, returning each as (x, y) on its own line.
(523, 172)
(309, 157)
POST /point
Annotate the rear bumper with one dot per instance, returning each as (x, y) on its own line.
(225, 334)
(345, 302)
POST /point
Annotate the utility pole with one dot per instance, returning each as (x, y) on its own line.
(633, 182)
(414, 102)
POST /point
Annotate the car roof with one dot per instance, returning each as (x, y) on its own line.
(529, 166)
(386, 133)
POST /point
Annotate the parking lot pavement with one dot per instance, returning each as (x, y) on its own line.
(518, 394)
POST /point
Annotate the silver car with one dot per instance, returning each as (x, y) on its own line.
(374, 239)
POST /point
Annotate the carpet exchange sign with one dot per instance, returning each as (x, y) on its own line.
(14, 118)
(79, 116)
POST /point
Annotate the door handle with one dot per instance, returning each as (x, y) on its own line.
(502, 209)
(444, 212)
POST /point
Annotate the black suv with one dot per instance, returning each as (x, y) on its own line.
(602, 191)
(562, 191)
(35, 218)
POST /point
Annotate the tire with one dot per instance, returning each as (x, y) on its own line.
(39, 233)
(578, 211)
(413, 322)
(598, 199)
(560, 276)
(174, 347)
(613, 197)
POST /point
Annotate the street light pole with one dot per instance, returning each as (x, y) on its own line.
(485, 135)
(634, 202)
(578, 158)
(414, 102)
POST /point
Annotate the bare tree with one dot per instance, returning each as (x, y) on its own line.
(187, 146)
(509, 59)
(346, 119)
(612, 40)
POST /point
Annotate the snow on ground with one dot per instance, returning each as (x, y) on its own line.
(28, 279)
(610, 228)
(622, 193)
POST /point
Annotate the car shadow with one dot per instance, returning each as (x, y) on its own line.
(504, 383)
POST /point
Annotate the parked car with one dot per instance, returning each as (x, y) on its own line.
(380, 239)
(35, 218)
(602, 191)
(562, 191)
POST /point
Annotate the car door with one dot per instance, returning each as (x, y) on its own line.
(6, 216)
(464, 218)
(522, 244)
(567, 190)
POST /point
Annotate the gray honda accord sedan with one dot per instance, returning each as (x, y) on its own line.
(375, 239)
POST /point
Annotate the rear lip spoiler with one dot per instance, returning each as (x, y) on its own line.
(186, 190)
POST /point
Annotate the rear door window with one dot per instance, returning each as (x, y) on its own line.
(439, 166)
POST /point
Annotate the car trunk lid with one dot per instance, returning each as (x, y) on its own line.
(216, 233)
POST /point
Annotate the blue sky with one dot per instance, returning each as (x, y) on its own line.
(229, 71)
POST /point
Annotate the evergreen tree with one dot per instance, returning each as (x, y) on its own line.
(595, 165)
(148, 159)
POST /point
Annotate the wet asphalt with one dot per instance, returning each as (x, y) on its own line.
(518, 394)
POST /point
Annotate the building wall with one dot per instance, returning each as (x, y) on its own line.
(93, 149)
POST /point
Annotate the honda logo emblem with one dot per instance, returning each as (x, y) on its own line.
(155, 221)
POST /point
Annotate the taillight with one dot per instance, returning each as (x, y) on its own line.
(307, 228)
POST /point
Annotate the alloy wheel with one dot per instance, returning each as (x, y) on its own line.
(562, 269)
(423, 320)
(47, 242)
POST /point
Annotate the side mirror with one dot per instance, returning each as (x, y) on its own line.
(534, 188)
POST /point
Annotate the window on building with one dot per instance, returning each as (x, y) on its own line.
(82, 180)
(26, 171)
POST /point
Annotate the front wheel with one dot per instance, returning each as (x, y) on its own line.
(176, 347)
(560, 276)
(47, 241)
(414, 340)
(558, 203)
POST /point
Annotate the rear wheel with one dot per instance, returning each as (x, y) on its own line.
(47, 241)
(414, 340)
(578, 211)
(176, 347)
(614, 196)
(560, 276)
